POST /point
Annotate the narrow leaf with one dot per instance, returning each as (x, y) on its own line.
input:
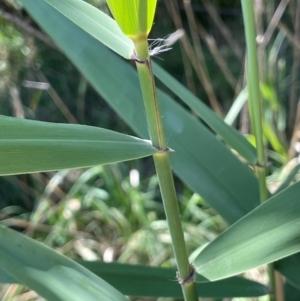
(230, 135)
(289, 268)
(266, 234)
(50, 274)
(145, 281)
(138, 280)
(7, 278)
(32, 146)
(96, 23)
(236, 107)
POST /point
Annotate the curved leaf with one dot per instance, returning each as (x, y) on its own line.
(145, 281)
(138, 280)
(236, 107)
(32, 146)
(268, 233)
(230, 135)
(6, 278)
(96, 23)
(50, 274)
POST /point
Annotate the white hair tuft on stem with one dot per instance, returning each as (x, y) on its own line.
(162, 45)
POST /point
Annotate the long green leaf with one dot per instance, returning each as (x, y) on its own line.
(138, 280)
(97, 24)
(32, 146)
(289, 268)
(230, 135)
(200, 160)
(291, 293)
(6, 278)
(268, 233)
(50, 274)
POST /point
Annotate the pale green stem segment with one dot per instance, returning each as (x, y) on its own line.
(155, 127)
(163, 169)
(255, 107)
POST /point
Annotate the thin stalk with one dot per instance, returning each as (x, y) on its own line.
(164, 172)
(255, 108)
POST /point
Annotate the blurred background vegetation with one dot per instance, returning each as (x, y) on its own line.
(114, 213)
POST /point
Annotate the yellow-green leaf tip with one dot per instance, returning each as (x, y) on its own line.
(135, 17)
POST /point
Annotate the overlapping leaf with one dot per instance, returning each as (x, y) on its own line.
(289, 268)
(96, 23)
(228, 133)
(268, 233)
(50, 274)
(137, 280)
(31, 146)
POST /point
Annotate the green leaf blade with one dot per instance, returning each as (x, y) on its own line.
(230, 135)
(291, 292)
(266, 234)
(50, 274)
(145, 281)
(138, 280)
(96, 23)
(31, 146)
(289, 268)
(135, 17)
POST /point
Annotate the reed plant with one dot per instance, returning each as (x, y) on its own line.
(263, 227)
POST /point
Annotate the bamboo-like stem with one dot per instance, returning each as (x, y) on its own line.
(255, 107)
(164, 172)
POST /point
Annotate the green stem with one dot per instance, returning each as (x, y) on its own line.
(155, 127)
(167, 188)
(253, 79)
(255, 108)
(163, 169)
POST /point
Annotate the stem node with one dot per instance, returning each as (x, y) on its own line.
(135, 58)
(164, 150)
(190, 278)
